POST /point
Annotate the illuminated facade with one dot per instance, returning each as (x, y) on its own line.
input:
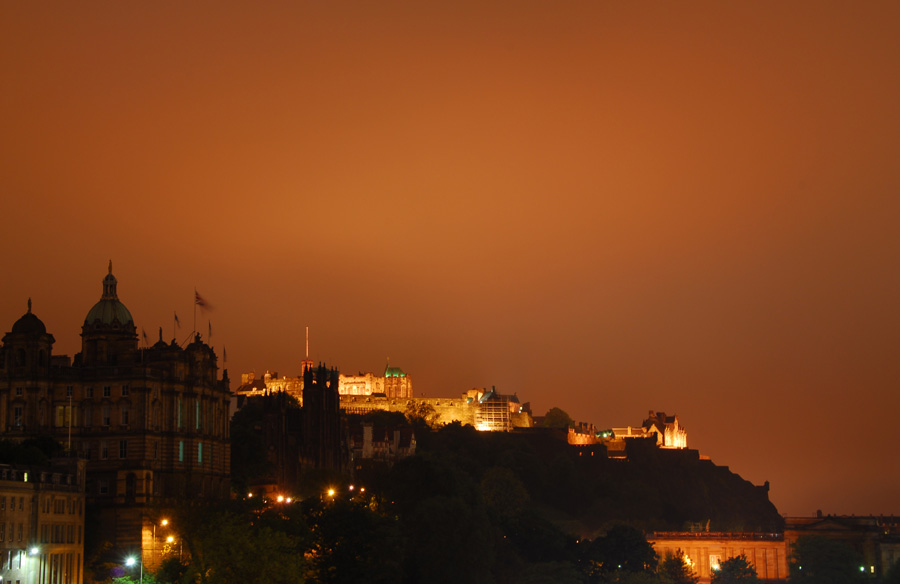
(42, 523)
(875, 539)
(665, 430)
(705, 551)
(395, 383)
(669, 433)
(152, 423)
(485, 410)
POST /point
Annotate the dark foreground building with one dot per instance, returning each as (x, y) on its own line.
(151, 423)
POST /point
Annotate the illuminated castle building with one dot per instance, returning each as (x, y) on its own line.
(487, 410)
(395, 383)
(151, 423)
(664, 430)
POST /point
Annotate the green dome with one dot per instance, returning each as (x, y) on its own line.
(109, 310)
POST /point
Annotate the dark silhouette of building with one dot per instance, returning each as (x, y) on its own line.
(321, 446)
(152, 423)
(296, 436)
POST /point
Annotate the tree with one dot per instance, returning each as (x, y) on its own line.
(626, 548)
(503, 492)
(675, 570)
(355, 543)
(421, 414)
(736, 570)
(818, 560)
(223, 546)
(557, 418)
(451, 542)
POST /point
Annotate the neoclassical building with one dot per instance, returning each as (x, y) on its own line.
(152, 423)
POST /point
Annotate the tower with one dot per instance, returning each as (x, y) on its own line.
(108, 335)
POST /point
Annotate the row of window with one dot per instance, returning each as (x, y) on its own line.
(200, 457)
(12, 532)
(12, 503)
(103, 449)
(64, 416)
(11, 560)
(62, 505)
(57, 533)
(88, 391)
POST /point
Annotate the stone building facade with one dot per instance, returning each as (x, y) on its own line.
(486, 410)
(151, 423)
(704, 551)
(42, 523)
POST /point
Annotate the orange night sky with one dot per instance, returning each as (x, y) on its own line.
(608, 207)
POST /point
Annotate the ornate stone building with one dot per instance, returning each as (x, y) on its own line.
(42, 523)
(705, 551)
(152, 423)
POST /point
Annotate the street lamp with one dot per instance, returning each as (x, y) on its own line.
(130, 563)
(153, 557)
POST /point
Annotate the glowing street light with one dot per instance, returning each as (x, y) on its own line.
(331, 492)
(130, 562)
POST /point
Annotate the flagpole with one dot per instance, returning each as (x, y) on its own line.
(195, 312)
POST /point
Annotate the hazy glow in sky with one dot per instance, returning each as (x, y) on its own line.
(607, 207)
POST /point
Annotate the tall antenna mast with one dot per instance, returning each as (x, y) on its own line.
(307, 342)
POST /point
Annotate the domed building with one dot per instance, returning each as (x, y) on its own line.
(152, 423)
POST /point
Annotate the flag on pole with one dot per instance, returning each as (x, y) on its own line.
(177, 322)
(209, 325)
(144, 335)
(201, 302)
(224, 355)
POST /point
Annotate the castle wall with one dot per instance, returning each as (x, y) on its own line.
(448, 410)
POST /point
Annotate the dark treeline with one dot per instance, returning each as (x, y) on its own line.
(471, 507)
